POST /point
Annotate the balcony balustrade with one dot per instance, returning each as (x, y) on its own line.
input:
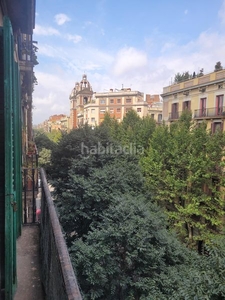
(52, 269)
(174, 115)
(214, 112)
(57, 276)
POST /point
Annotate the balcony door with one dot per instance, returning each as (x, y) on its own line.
(219, 104)
(174, 111)
(202, 107)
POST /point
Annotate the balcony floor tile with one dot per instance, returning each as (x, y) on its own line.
(28, 265)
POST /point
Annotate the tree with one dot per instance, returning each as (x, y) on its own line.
(43, 141)
(133, 130)
(182, 77)
(184, 171)
(91, 186)
(55, 135)
(129, 255)
(218, 66)
(76, 144)
(44, 158)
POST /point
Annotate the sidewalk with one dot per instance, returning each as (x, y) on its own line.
(28, 265)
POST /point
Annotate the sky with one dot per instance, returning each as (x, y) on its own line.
(139, 44)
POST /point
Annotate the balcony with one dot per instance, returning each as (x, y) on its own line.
(209, 113)
(174, 115)
(44, 267)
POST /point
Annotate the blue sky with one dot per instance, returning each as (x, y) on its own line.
(140, 44)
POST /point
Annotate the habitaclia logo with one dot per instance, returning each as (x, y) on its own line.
(131, 149)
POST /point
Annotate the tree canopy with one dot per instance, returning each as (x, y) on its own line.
(183, 169)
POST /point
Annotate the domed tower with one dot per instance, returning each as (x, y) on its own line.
(81, 94)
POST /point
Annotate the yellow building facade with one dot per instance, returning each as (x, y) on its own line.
(203, 96)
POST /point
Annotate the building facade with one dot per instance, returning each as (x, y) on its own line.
(116, 103)
(56, 122)
(17, 59)
(203, 96)
(80, 96)
(89, 107)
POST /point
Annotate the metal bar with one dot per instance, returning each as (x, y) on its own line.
(69, 279)
(25, 196)
(33, 195)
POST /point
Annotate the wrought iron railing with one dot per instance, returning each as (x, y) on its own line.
(30, 191)
(174, 115)
(57, 273)
(210, 112)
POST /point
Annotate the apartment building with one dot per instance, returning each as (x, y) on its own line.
(58, 122)
(203, 96)
(89, 107)
(155, 111)
(116, 103)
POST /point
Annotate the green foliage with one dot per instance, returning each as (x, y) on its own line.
(133, 130)
(129, 255)
(182, 77)
(75, 145)
(55, 135)
(184, 170)
(44, 158)
(118, 239)
(90, 188)
(204, 278)
(42, 140)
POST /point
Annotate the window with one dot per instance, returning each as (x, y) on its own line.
(111, 110)
(139, 109)
(159, 117)
(216, 126)
(111, 101)
(128, 109)
(92, 120)
(92, 110)
(102, 111)
(220, 86)
(152, 116)
(174, 113)
(118, 100)
(128, 100)
(187, 105)
(202, 107)
(219, 104)
(118, 110)
(102, 101)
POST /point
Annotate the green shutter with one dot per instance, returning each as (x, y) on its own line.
(10, 214)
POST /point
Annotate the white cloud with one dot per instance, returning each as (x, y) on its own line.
(40, 30)
(146, 71)
(47, 50)
(128, 60)
(167, 46)
(75, 38)
(51, 95)
(60, 19)
(222, 13)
